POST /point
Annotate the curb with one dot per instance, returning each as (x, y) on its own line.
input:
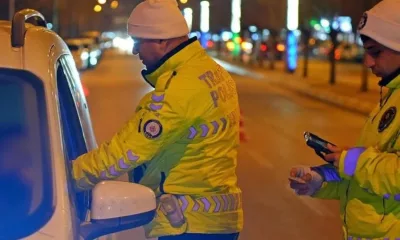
(349, 103)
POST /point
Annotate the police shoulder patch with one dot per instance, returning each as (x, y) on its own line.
(152, 129)
(387, 118)
(363, 21)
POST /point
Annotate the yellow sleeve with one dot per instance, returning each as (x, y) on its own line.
(331, 184)
(379, 172)
(328, 190)
(159, 121)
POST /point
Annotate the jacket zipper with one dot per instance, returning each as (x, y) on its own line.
(345, 209)
(382, 102)
(384, 210)
(169, 79)
(162, 181)
(163, 175)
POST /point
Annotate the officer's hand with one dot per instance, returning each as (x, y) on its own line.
(304, 181)
(335, 156)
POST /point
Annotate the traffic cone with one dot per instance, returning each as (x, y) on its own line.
(242, 134)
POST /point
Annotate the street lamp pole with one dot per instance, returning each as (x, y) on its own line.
(11, 9)
(56, 12)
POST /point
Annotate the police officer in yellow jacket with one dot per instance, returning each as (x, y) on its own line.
(366, 178)
(184, 135)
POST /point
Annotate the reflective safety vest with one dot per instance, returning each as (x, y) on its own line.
(184, 139)
(368, 181)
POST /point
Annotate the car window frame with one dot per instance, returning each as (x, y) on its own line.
(80, 99)
(80, 201)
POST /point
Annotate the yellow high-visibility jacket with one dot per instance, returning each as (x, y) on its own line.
(368, 179)
(185, 137)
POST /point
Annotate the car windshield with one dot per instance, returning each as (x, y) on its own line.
(73, 47)
(26, 201)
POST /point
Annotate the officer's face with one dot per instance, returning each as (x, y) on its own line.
(380, 59)
(150, 50)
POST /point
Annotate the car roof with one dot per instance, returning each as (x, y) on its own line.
(34, 54)
(91, 34)
(87, 40)
(74, 41)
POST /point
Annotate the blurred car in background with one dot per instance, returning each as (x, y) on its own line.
(79, 53)
(94, 50)
(349, 52)
(345, 51)
(96, 36)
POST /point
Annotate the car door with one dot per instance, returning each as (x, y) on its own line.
(77, 132)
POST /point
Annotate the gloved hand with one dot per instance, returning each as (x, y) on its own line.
(305, 181)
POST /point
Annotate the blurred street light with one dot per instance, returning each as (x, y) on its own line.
(253, 29)
(204, 22)
(205, 16)
(325, 23)
(184, 1)
(101, 1)
(236, 11)
(236, 15)
(292, 14)
(114, 4)
(97, 8)
(188, 14)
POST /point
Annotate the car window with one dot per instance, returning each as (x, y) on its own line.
(26, 202)
(72, 124)
(73, 47)
(80, 100)
(73, 136)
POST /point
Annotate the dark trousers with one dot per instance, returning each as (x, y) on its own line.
(201, 236)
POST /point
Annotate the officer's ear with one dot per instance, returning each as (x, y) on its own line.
(163, 45)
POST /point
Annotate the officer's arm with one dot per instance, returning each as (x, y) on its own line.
(332, 181)
(378, 172)
(328, 190)
(159, 123)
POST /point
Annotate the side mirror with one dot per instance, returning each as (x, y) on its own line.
(118, 206)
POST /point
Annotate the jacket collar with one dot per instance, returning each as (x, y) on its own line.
(172, 60)
(391, 81)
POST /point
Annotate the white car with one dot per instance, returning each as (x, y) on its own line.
(94, 50)
(44, 125)
(79, 52)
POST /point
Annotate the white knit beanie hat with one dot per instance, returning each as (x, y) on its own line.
(382, 23)
(157, 19)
